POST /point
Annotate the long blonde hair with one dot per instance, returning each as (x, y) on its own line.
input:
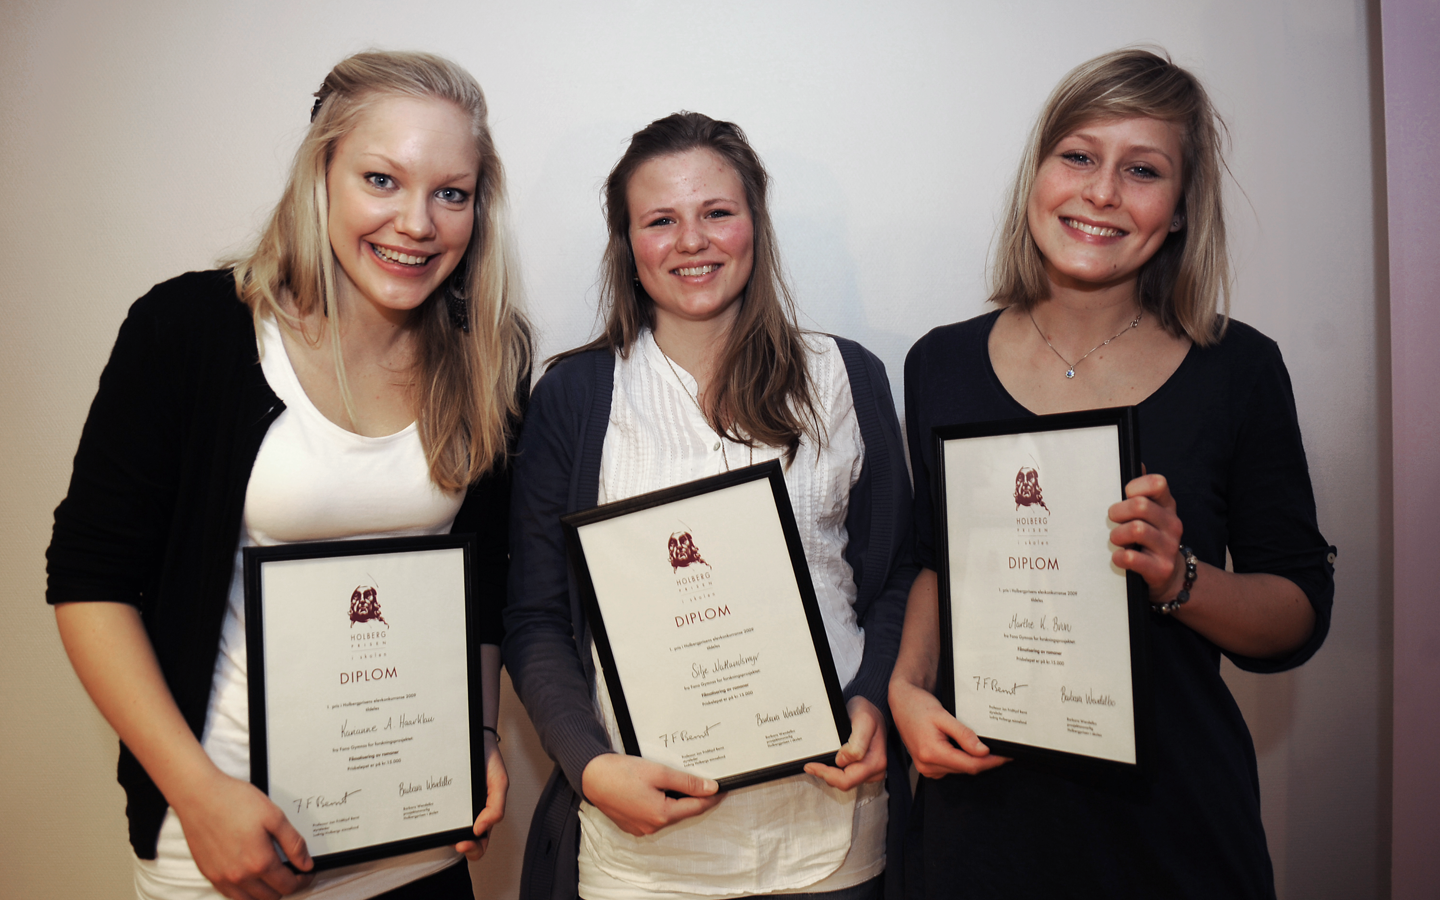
(762, 393)
(468, 379)
(1186, 284)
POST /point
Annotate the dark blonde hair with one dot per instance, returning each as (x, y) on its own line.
(1186, 284)
(465, 380)
(761, 393)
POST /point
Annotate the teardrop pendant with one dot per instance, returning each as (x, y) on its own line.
(1069, 373)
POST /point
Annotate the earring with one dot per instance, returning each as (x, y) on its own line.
(1178, 222)
(456, 303)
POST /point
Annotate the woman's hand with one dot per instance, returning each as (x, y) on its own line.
(1147, 532)
(497, 782)
(229, 824)
(938, 743)
(1252, 614)
(232, 829)
(862, 759)
(631, 791)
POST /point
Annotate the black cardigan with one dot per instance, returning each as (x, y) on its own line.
(153, 513)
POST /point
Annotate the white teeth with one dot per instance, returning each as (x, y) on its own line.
(1093, 229)
(395, 256)
(697, 270)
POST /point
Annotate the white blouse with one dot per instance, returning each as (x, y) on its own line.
(312, 480)
(795, 834)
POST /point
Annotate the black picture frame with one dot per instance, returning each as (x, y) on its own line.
(466, 621)
(594, 606)
(1127, 466)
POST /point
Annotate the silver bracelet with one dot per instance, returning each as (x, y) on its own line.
(1191, 561)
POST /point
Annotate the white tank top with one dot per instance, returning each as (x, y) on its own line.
(312, 481)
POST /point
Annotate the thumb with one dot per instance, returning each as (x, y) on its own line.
(861, 731)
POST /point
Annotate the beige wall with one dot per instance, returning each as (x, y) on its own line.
(145, 139)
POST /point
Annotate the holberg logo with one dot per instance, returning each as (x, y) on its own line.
(683, 552)
(1027, 489)
(365, 606)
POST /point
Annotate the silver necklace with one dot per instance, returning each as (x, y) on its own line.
(1070, 370)
(720, 444)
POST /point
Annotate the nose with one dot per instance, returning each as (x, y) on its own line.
(1102, 188)
(692, 237)
(413, 218)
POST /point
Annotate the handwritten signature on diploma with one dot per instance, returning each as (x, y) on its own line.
(320, 801)
(431, 783)
(677, 737)
(994, 686)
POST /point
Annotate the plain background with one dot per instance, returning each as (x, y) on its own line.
(143, 140)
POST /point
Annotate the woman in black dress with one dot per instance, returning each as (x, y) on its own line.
(1111, 278)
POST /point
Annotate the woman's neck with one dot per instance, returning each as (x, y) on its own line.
(693, 346)
(1075, 321)
(373, 335)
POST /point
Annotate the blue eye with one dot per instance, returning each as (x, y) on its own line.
(663, 220)
(452, 195)
(1145, 172)
(1075, 156)
(380, 180)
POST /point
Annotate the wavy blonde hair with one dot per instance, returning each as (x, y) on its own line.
(468, 383)
(761, 394)
(1186, 284)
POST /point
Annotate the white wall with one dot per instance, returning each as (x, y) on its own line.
(143, 141)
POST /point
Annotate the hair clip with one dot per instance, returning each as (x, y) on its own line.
(320, 96)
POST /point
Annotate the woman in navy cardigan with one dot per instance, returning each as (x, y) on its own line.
(701, 369)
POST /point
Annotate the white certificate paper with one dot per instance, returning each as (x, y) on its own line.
(713, 666)
(364, 698)
(1040, 620)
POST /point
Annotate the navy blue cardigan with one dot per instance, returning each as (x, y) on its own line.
(557, 471)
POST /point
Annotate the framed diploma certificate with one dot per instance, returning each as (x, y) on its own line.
(1043, 636)
(365, 693)
(707, 629)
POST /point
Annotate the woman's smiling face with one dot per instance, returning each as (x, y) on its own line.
(1105, 199)
(402, 187)
(692, 236)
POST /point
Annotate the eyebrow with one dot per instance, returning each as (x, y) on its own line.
(704, 204)
(1138, 148)
(392, 164)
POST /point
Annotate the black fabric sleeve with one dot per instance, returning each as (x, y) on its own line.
(885, 570)
(541, 648)
(917, 435)
(486, 514)
(1272, 522)
(110, 530)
